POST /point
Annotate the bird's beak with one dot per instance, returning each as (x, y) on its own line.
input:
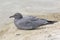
(11, 16)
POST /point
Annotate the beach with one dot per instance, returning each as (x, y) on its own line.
(46, 9)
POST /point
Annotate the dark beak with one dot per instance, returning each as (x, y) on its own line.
(11, 16)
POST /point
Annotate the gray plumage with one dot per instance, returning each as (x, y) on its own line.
(28, 22)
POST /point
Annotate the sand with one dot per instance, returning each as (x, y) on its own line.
(47, 9)
(46, 32)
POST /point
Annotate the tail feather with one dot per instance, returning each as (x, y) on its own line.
(51, 22)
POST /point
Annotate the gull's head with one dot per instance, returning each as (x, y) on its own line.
(16, 16)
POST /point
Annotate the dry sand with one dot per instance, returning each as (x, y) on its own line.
(46, 32)
(47, 9)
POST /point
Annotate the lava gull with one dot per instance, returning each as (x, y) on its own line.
(28, 22)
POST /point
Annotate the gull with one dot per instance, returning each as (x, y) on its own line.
(28, 22)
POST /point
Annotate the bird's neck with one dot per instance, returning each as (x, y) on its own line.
(18, 18)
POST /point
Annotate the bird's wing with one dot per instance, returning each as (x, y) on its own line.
(32, 18)
(28, 21)
(32, 21)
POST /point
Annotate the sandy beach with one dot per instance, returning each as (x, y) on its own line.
(46, 9)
